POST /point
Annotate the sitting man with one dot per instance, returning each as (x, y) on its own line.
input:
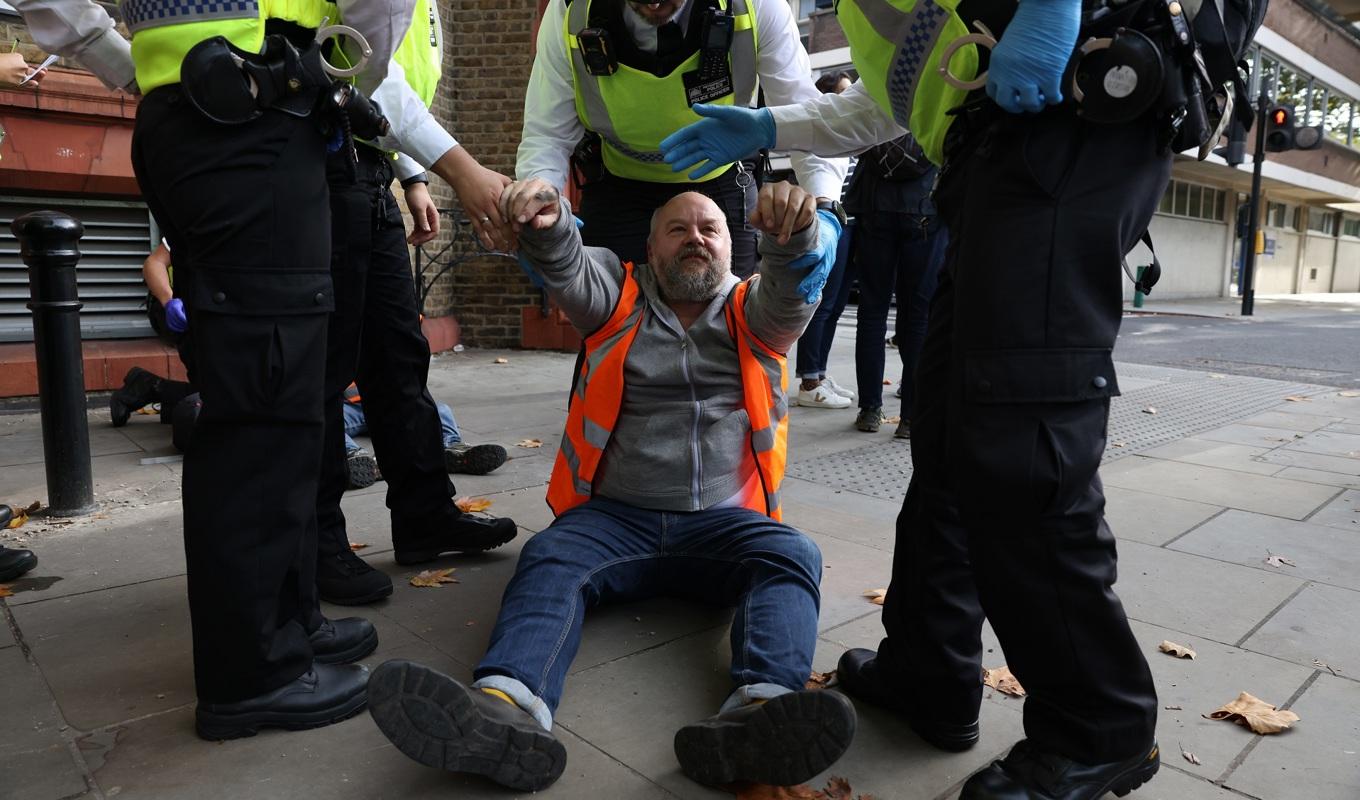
(666, 483)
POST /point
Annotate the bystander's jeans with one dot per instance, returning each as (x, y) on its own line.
(356, 424)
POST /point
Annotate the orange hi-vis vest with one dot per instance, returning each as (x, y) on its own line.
(598, 395)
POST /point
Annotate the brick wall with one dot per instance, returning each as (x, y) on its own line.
(488, 51)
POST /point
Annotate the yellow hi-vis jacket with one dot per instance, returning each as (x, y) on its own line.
(598, 395)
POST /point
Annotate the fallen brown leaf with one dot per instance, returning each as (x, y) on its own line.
(1257, 714)
(529, 443)
(876, 596)
(887, 382)
(1320, 664)
(891, 420)
(1150, 410)
(1174, 708)
(1273, 560)
(1003, 681)
(1296, 399)
(470, 504)
(357, 546)
(5, 591)
(501, 361)
(1349, 394)
(1117, 444)
(21, 515)
(821, 680)
(1177, 650)
(1187, 755)
(1217, 375)
(433, 578)
(837, 788)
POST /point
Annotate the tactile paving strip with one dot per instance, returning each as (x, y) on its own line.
(1186, 403)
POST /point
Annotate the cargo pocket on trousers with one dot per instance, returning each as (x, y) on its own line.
(260, 343)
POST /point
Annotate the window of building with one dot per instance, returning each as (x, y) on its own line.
(1338, 121)
(1277, 216)
(1314, 103)
(1350, 226)
(1193, 201)
(1322, 221)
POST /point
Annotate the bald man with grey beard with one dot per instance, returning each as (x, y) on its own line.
(666, 484)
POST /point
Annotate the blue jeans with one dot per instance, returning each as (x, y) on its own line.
(814, 346)
(894, 254)
(357, 425)
(603, 551)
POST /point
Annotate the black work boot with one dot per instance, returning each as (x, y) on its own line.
(343, 641)
(1027, 773)
(441, 723)
(469, 459)
(447, 531)
(319, 697)
(782, 741)
(139, 388)
(860, 676)
(347, 580)
(361, 470)
(14, 563)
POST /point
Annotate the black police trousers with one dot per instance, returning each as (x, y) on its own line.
(617, 213)
(244, 210)
(375, 340)
(1004, 517)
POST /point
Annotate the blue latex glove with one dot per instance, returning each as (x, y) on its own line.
(727, 134)
(534, 277)
(175, 318)
(821, 259)
(1027, 65)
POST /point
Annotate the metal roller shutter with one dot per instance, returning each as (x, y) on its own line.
(118, 237)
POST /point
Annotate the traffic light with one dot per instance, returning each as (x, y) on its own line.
(1282, 135)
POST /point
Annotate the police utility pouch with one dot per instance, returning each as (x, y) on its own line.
(231, 86)
(713, 78)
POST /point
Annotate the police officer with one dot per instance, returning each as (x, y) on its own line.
(236, 180)
(390, 359)
(1004, 514)
(615, 76)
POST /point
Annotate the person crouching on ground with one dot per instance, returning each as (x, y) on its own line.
(666, 483)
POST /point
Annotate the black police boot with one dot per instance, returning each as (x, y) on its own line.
(343, 641)
(14, 563)
(324, 695)
(347, 580)
(441, 723)
(1028, 772)
(361, 470)
(416, 542)
(860, 676)
(783, 741)
(469, 459)
(139, 388)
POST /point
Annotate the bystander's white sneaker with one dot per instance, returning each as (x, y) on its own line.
(831, 384)
(821, 397)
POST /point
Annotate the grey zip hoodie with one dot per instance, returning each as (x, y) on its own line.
(680, 440)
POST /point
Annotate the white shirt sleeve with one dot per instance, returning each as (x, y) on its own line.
(81, 30)
(415, 131)
(834, 124)
(383, 23)
(405, 167)
(786, 75)
(551, 125)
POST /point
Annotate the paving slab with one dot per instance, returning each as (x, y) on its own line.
(1319, 552)
(120, 482)
(1197, 595)
(1239, 457)
(1292, 422)
(1343, 512)
(21, 439)
(1319, 758)
(1214, 677)
(1152, 519)
(1172, 783)
(1220, 487)
(840, 513)
(38, 764)
(1319, 623)
(1314, 461)
(848, 570)
(1320, 476)
(1328, 442)
(115, 654)
(1254, 436)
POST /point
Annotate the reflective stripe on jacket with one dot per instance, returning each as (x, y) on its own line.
(597, 397)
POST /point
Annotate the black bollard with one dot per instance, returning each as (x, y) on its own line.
(49, 243)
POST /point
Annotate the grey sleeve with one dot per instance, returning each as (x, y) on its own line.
(84, 31)
(383, 23)
(583, 281)
(775, 309)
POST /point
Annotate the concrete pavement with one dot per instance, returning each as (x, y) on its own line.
(97, 693)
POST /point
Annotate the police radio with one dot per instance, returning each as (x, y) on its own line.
(598, 51)
(718, 30)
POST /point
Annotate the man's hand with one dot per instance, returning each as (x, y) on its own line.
(535, 203)
(423, 213)
(13, 70)
(726, 134)
(781, 209)
(478, 190)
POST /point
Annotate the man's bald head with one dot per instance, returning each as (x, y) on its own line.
(689, 247)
